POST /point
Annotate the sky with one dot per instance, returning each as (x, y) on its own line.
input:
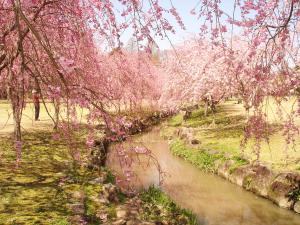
(191, 23)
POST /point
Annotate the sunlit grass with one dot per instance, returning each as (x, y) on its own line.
(32, 193)
(176, 120)
(197, 156)
(154, 197)
(227, 132)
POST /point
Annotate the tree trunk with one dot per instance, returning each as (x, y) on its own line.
(119, 107)
(17, 129)
(206, 108)
(14, 95)
(56, 111)
(213, 107)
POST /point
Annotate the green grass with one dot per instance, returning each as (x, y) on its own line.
(238, 162)
(203, 159)
(62, 221)
(223, 139)
(34, 186)
(167, 132)
(154, 198)
(198, 157)
(34, 193)
(221, 117)
(175, 121)
(228, 132)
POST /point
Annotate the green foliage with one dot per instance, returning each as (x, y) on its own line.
(198, 118)
(90, 209)
(198, 157)
(226, 134)
(112, 213)
(121, 196)
(247, 182)
(199, 113)
(175, 121)
(62, 221)
(92, 190)
(238, 162)
(110, 177)
(294, 195)
(154, 198)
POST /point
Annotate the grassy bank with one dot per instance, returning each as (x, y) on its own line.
(164, 209)
(201, 158)
(226, 134)
(196, 156)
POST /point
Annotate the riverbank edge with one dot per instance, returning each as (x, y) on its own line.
(282, 188)
(130, 127)
(152, 195)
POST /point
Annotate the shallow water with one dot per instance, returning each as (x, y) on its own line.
(214, 200)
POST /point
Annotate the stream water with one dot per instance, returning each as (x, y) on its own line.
(214, 200)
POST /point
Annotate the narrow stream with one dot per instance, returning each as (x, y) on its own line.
(214, 200)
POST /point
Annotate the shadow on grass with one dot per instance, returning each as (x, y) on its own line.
(33, 193)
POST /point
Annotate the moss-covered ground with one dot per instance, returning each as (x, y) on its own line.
(49, 188)
(41, 189)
